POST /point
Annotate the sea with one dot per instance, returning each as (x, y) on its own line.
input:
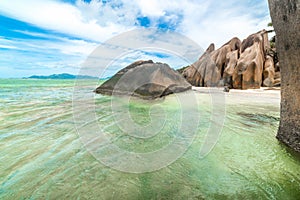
(60, 140)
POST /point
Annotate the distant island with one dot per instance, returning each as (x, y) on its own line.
(62, 76)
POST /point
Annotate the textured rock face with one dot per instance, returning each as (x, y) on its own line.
(269, 72)
(277, 77)
(286, 22)
(195, 73)
(236, 64)
(231, 62)
(146, 80)
(248, 72)
(209, 69)
(220, 56)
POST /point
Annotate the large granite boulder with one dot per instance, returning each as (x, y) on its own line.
(277, 79)
(220, 57)
(231, 62)
(145, 79)
(195, 73)
(209, 69)
(241, 65)
(249, 69)
(269, 72)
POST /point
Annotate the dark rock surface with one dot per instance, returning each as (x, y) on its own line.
(286, 22)
(145, 79)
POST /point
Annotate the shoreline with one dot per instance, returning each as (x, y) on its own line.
(262, 95)
(262, 90)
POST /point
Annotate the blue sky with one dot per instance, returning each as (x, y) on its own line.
(56, 36)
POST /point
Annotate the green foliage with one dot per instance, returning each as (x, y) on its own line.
(182, 69)
(273, 42)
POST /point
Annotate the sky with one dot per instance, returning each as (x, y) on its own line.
(56, 36)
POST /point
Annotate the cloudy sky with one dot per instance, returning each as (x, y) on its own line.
(56, 36)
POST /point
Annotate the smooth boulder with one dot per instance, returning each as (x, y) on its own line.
(145, 79)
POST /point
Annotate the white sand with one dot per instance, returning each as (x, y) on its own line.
(268, 95)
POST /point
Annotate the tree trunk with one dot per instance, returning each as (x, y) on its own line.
(285, 16)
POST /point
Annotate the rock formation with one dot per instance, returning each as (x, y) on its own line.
(231, 62)
(239, 65)
(249, 69)
(209, 69)
(146, 80)
(286, 22)
(269, 72)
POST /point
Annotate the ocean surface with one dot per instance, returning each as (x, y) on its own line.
(43, 154)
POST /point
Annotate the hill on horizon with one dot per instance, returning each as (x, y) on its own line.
(61, 76)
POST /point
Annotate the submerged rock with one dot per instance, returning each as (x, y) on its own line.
(145, 79)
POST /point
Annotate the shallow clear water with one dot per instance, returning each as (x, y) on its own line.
(42, 156)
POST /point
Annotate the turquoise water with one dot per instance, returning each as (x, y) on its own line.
(43, 157)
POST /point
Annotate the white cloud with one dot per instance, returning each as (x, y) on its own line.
(204, 21)
(25, 57)
(58, 16)
(7, 47)
(218, 24)
(63, 45)
(151, 8)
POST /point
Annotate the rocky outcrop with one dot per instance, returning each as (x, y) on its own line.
(240, 65)
(194, 74)
(277, 77)
(249, 69)
(231, 62)
(269, 72)
(286, 22)
(209, 69)
(145, 79)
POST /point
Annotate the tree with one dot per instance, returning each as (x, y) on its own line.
(272, 40)
(286, 22)
(270, 24)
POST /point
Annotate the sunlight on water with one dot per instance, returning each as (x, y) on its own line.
(42, 157)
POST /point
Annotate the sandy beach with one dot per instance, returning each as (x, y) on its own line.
(264, 94)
